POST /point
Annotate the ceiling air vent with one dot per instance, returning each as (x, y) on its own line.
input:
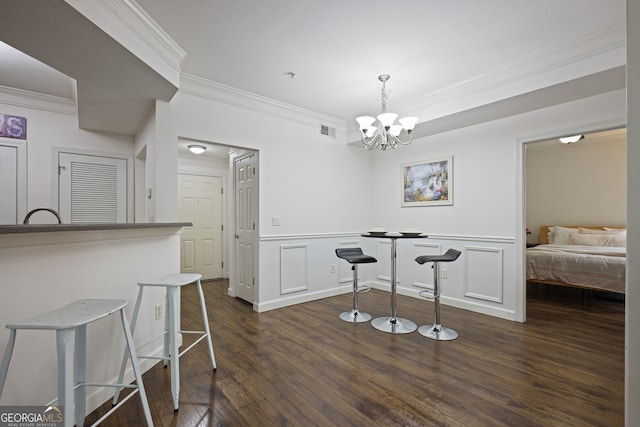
(327, 131)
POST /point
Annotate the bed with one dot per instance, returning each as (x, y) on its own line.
(586, 257)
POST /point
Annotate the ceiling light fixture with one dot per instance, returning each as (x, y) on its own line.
(196, 148)
(385, 134)
(571, 139)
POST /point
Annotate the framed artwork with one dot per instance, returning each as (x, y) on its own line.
(428, 183)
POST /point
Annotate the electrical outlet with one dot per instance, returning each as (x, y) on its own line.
(333, 268)
(158, 312)
(444, 273)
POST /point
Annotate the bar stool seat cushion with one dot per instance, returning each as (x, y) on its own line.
(354, 256)
(449, 256)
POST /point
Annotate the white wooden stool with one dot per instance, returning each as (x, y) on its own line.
(70, 323)
(172, 283)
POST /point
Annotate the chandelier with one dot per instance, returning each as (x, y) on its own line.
(385, 134)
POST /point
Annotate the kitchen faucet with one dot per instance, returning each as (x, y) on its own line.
(31, 212)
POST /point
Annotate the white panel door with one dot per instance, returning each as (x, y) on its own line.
(200, 203)
(8, 185)
(92, 189)
(245, 232)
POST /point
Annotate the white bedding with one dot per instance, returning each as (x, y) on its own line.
(593, 267)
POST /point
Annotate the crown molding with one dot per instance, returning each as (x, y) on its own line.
(37, 101)
(198, 86)
(126, 22)
(595, 52)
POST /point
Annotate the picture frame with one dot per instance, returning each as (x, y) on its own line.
(428, 182)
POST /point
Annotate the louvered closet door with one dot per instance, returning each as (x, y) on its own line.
(92, 189)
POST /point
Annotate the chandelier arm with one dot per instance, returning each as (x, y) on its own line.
(369, 143)
(406, 141)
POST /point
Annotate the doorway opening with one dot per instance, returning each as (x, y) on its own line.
(569, 185)
(231, 204)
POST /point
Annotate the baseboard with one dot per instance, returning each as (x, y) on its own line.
(299, 299)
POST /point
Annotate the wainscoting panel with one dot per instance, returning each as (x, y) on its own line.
(293, 268)
(299, 268)
(483, 273)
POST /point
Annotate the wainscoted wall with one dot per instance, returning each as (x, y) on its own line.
(301, 268)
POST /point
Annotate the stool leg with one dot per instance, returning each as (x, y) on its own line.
(123, 366)
(167, 329)
(136, 368)
(64, 344)
(81, 374)
(4, 366)
(206, 325)
(437, 331)
(355, 316)
(173, 341)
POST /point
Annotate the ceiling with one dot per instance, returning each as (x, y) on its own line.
(325, 55)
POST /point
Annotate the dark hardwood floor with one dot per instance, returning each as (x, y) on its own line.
(303, 366)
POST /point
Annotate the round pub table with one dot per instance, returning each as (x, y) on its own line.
(394, 324)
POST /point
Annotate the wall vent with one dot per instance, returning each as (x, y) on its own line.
(327, 131)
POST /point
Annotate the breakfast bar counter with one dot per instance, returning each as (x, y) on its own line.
(48, 228)
(47, 266)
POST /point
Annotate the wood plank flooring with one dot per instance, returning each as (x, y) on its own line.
(303, 366)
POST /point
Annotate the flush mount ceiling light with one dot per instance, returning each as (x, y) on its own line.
(571, 139)
(196, 148)
(385, 134)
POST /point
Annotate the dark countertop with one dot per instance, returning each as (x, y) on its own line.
(46, 228)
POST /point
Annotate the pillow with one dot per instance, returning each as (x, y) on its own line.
(560, 235)
(598, 239)
(614, 231)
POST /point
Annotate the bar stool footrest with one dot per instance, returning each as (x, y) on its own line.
(427, 294)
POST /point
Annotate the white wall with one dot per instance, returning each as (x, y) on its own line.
(146, 140)
(326, 192)
(485, 210)
(576, 184)
(46, 130)
(319, 186)
(314, 183)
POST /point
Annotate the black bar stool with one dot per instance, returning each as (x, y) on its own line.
(437, 331)
(354, 256)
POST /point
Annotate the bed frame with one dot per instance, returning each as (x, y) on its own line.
(544, 239)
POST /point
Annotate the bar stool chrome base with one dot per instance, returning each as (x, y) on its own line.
(355, 316)
(438, 332)
(394, 326)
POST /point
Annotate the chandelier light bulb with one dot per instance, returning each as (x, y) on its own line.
(387, 119)
(408, 123)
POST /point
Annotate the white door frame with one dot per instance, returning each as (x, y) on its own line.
(21, 175)
(55, 154)
(520, 314)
